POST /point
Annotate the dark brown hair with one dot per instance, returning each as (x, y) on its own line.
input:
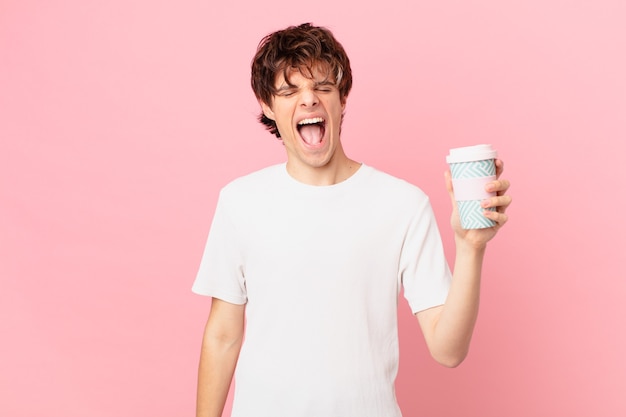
(303, 47)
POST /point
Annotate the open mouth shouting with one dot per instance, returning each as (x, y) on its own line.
(312, 131)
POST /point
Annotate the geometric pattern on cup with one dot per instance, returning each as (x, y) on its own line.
(473, 169)
(471, 214)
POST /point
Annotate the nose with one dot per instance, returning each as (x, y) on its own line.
(309, 98)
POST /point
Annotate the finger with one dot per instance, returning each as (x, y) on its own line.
(499, 202)
(499, 217)
(498, 186)
(499, 167)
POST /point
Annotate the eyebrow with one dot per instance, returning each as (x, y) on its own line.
(288, 86)
(324, 82)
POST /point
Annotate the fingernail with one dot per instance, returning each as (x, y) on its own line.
(484, 203)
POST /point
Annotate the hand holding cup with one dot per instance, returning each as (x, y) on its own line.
(478, 194)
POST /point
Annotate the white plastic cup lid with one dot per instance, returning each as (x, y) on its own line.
(471, 153)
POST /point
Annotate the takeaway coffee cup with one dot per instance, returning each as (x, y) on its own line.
(472, 167)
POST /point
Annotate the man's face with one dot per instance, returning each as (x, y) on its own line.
(307, 112)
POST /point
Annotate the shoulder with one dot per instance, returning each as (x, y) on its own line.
(253, 183)
(391, 187)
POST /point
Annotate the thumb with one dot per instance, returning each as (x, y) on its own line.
(449, 187)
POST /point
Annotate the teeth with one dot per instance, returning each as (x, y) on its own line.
(311, 121)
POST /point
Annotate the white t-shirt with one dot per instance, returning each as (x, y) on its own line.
(320, 269)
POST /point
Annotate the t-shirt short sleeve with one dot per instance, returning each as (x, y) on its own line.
(424, 270)
(221, 274)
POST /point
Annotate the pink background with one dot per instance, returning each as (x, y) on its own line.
(121, 119)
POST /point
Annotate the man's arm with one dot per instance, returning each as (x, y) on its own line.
(448, 328)
(221, 344)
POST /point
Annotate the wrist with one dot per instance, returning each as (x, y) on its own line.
(469, 247)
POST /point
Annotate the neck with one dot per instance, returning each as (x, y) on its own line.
(339, 169)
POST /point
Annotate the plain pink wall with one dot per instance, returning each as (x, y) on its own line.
(120, 121)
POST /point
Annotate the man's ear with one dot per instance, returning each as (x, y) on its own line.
(267, 110)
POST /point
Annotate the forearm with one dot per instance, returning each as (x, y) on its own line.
(454, 327)
(223, 336)
(217, 364)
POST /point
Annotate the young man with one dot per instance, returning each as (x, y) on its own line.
(313, 253)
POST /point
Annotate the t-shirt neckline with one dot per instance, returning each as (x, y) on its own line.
(352, 179)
